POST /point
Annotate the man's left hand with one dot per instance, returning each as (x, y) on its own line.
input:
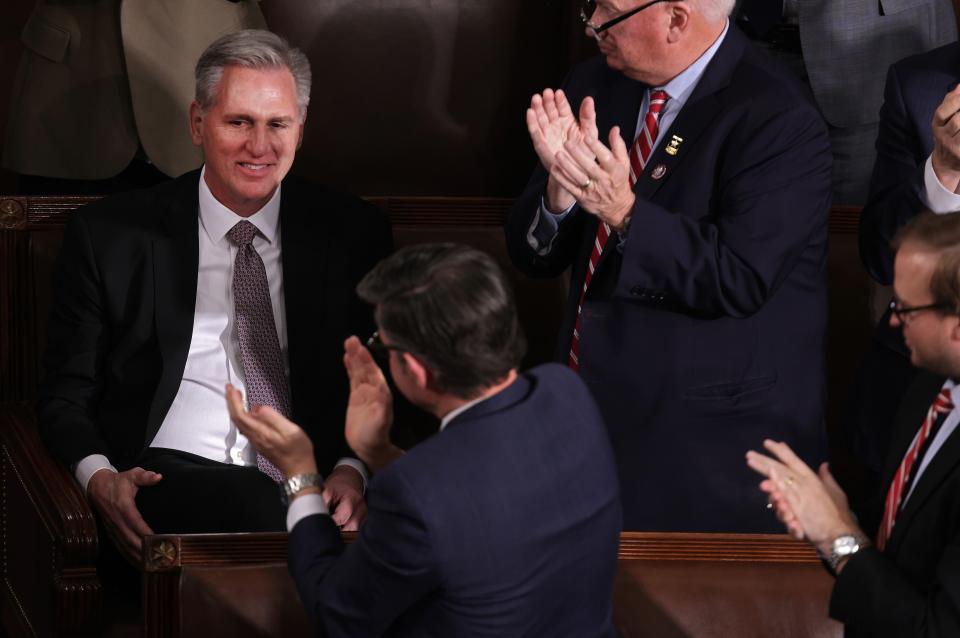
(343, 494)
(598, 176)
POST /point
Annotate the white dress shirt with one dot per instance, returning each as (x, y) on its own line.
(937, 198)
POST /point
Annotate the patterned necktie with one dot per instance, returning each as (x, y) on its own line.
(263, 369)
(942, 406)
(639, 154)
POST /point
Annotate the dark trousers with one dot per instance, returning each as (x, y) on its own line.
(197, 495)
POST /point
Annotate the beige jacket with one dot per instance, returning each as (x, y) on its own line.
(101, 78)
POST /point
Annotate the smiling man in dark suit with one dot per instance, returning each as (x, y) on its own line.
(905, 581)
(506, 522)
(236, 273)
(696, 234)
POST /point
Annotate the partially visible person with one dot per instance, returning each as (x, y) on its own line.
(684, 181)
(905, 579)
(843, 50)
(917, 168)
(235, 273)
(506, 522)
(100, 99)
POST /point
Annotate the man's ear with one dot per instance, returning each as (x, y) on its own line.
(196, 123)
(303, 125)
(418, 371)
(679, 20)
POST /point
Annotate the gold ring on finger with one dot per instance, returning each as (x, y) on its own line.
(586, 184)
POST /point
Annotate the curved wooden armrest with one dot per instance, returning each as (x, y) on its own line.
(48, 532)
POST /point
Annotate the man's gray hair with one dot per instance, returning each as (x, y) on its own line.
(253, 49)
(716, 10)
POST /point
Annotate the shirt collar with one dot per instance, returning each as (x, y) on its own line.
(680, 87)
(951, 386)
(216, 219)
(452, 414)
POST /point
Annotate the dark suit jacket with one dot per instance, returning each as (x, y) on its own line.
(912, 588)
(123, 308)
(705, 333)
(505, 524)
(915, 88)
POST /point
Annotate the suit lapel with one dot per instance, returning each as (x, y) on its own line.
(910, 416)
(175, 267)
(940, 468)
(694, 118)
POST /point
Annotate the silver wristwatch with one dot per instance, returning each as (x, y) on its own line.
(844, 547)
(297, 483)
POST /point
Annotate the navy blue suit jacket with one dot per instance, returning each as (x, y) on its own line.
(705, 332)
(915, 88)
(505, 524)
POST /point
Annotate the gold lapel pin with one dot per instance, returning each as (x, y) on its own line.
(674, 145)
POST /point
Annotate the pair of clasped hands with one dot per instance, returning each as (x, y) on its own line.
(582, 169)
(367, 430)
(810, 504)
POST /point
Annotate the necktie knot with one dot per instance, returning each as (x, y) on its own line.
(657, 99)
(943, 403)
(242, 233)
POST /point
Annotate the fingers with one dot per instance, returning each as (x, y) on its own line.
(620, 152)
(787, 456)
(550, 105)
(947, 110)
(563, 106)
(588, 118)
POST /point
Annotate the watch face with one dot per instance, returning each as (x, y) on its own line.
(845, 545)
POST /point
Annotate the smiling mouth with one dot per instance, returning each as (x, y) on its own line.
(254, 167)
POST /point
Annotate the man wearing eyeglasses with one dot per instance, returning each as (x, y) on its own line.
(685, 180)
(504, 523)
(897, 562)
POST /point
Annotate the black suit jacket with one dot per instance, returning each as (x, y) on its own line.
(505, 524)
(705, 333)
(123, 309)
(912, 588)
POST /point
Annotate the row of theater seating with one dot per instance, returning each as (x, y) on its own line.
(210, 585)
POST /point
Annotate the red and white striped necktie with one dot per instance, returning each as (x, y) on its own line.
(942, 405)
(639, 154)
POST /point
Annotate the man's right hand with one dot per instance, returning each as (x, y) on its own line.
(549, 121)
(946, 141)
(369, 410)
(112, 494)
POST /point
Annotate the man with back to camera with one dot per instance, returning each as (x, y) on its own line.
(905, 580)
(236, 273)
(504, 523)
(697, 235)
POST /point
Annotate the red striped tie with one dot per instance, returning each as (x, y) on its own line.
(941, 405)
(639, 154)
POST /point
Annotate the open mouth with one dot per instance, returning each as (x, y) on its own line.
(254, 167)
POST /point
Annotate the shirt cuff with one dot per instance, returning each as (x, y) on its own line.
(543, 229)
(358, 465)
(304, 506)
(90, 465)
(935, 196)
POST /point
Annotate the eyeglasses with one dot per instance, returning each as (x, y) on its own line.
(904, 313)
(589, 6)
(379, 349)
